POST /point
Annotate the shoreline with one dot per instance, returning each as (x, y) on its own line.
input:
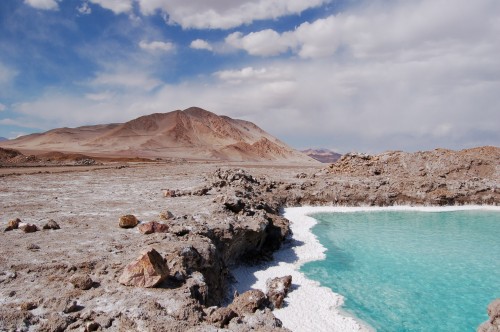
(310, 306)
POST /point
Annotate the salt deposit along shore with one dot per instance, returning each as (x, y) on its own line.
(309, 306)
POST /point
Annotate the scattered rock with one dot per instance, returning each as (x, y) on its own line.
(148, 270)
(82, 281)
(221, 317)
(71, 306)
(166, 215)
(29, 305)
(153, 227)
(493, 323)
(277, 289)
(128, 221)
(51, 224)
(92, 326)
(33, 247)
(12, 224)
(56, 323)
(249, 302)
(29, 228)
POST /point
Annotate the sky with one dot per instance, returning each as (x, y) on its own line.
(349, 75)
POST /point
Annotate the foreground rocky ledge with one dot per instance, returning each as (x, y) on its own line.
(207, 220)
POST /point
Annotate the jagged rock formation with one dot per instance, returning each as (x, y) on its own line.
(438, 177)
(322, 155)
(192, 134)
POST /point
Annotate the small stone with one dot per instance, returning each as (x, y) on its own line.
(92, 326)
(248, 302)
(148, 270)
(153, 227)
(13, 224)
(221, 316)
(82, 281)
(29, 228)
(12, 293)
(51, 224)
(29, 305)
(128, 221)
(166, 215)
(33, 247)
(72, 306)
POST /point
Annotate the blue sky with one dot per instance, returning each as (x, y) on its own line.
(350, 75)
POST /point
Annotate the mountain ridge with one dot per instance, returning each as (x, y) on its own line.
(193, 133)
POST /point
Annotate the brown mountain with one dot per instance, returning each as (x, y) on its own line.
(192, 134)
(323, 155)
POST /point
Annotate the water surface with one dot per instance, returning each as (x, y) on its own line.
(409, 270)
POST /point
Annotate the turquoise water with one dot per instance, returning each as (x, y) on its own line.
(411, 271)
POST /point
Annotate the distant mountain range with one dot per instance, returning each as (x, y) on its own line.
(193, 133)
(3, 139)
(322, 155)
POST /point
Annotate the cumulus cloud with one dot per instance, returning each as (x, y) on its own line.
(156, 46)
(216, 14)
(43, 4)
(200, 44)
(263, 43)
(253, 74)
(84, 8)
(116, 6)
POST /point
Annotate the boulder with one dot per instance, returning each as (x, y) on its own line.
(148, 270)
(221, 317)
(277, 289)
(249, 302)
(153, 227)
(51, 224)
(493, 323)
(128, 221)
(12, 224)
(29, 228)
(81, 281)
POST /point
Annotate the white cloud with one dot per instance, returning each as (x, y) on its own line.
(116, 6)
(217, 14)
(2, 107)
(253, 74)
(156, 46)
(43, 4)
(200, 44)
(263, 43)
(84, 8)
